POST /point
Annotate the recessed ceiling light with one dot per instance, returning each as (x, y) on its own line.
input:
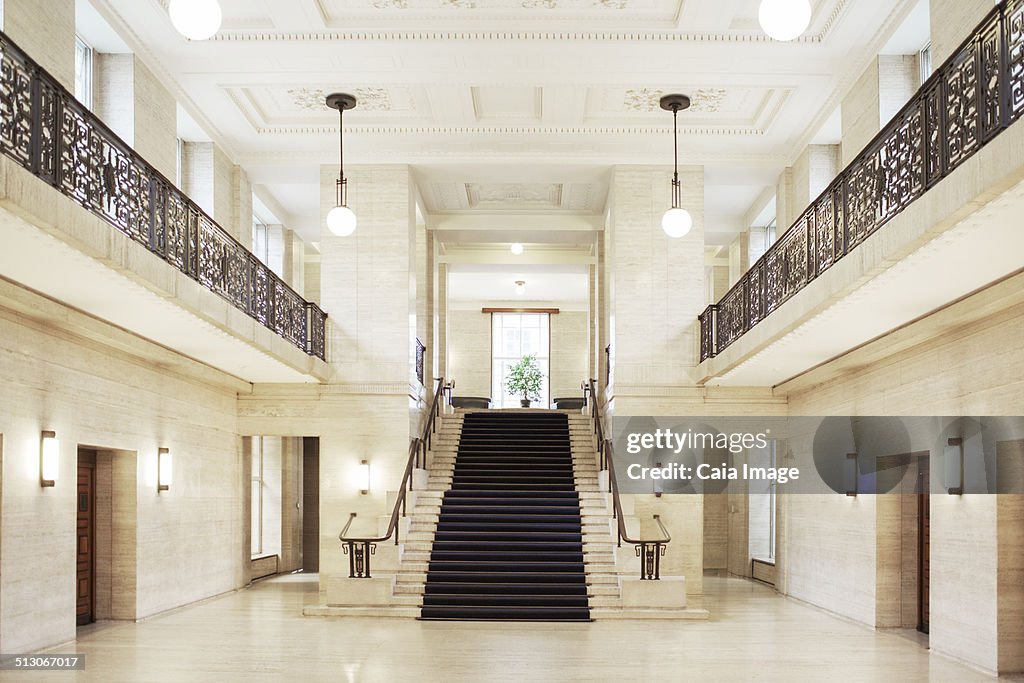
(517, 248)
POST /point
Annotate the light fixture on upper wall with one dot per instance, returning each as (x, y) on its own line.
(341, 220)
(677, 221)
(784, 19)
(49, 459)
(364, 477)
(195, 19)
(164, 469)
(851, 475)
(520, 287)
(517, 248)
(953, 465)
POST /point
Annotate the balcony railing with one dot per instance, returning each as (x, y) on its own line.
(46, 130)
(975, 95)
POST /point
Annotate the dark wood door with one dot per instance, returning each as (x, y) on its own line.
(923, 547)
(85, 537)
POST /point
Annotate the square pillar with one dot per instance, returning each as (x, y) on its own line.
(46, 31)
(136, 105)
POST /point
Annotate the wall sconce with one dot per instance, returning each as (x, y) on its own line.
(364, 477)
(851, 475)
(164, 469)
(953, 455)
(49, 459)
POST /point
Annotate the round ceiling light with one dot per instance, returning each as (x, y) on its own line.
(676, 222)
(195, 19)
(520, 287)
(517, 248)
(341, 221)
(784, 19)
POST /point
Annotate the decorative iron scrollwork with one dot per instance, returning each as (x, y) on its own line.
(359, 553)
(48, 132)
(964, 105)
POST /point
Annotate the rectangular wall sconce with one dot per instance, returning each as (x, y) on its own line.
(164, 469)
(850, 475)
(364, 477)
(953, 465)
(49, 459)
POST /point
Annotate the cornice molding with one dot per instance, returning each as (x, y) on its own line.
(665, 36)
(502, 130)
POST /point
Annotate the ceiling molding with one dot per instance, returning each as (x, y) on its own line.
(666, 36)
(502, 130)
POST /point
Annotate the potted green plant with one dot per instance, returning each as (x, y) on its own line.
(524, 379)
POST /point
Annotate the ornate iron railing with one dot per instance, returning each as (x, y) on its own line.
(975, 95)
(420, 351)
(48, 132)
(649, 550)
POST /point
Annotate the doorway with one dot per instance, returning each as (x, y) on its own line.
(85, 611)
(923, 544)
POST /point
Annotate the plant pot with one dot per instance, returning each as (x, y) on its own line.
(525, 402)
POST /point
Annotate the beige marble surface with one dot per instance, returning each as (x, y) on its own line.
(259, 635)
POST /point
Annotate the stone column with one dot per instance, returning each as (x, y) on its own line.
(951, 22)
(813, 171)
(367, 290)
(658, 282)
(219, 187)
(656, 291)
(442, 322)
(46, 31)
(881, 91)
(136, 105)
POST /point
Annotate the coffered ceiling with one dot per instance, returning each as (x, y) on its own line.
(510, 107)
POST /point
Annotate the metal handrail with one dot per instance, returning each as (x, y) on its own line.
(360, 548)
(649, 550)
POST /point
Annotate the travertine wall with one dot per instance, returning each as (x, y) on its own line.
(469, 352)
(369, 410)
(135, 104)
(188, 540)
(835, 549)
(951, 22)
(46, 31)
(219, 187)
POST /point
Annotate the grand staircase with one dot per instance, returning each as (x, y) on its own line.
(508, 543)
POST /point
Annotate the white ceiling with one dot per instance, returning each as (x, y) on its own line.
(513, 108)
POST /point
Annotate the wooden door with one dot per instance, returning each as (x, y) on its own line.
(85, 538)
(923, 547)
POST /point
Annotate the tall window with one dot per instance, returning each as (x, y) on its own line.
(925, 60)
(260, 240)
(256, 510)
(513, 335)
(761, 522)
(770, 233)
(83, 72)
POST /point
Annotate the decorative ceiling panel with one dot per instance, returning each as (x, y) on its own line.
(279, 105)
(735, 107)
(503, 103)
(514, 196)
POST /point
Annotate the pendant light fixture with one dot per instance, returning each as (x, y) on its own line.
(195, 19)
(784, 19)
(677, 221)
(341, 220)
(520, 287)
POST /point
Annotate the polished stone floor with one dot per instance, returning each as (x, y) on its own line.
(259, 635)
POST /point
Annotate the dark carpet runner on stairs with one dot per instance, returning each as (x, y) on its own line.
(509, 541)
